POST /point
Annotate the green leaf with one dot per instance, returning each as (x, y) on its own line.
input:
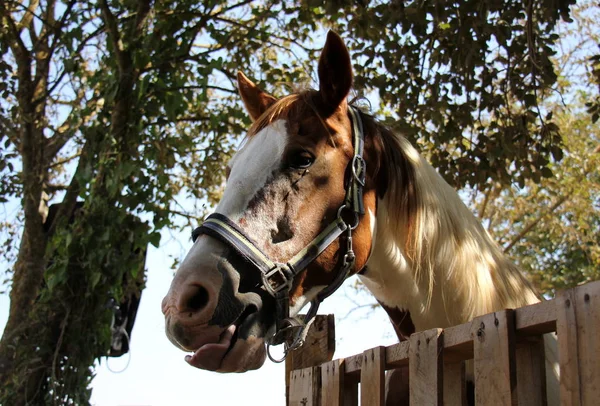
(154, 239)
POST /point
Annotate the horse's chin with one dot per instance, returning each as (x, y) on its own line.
(230, 353)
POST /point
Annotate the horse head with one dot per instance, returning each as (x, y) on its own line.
(295, 219)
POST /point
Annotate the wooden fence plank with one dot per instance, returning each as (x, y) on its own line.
(425, 367)
(587, 299)
(319, 347)
(458, 343)
(304, 387)
(536, 319)
(507, 352)
(578, 328)
(372, 377)
(493, 349)
(332, 383)
(566, 327)
(397, 355)
(455, 384)
(531, 372)
(350, 390)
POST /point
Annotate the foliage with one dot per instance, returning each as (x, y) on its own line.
(130, 106)
(552, 228)
(462, 79)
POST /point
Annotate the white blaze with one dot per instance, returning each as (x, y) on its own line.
(251, 167)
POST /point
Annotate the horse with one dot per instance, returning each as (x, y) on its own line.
(321, 191)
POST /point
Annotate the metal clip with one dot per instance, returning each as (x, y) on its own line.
(349, 257)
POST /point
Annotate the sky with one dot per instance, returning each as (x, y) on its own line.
(154, 373)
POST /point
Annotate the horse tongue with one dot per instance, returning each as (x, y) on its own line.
(210, 355)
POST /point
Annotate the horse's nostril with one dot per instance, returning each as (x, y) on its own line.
(198, 300)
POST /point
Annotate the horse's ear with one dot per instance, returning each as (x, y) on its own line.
(335, 71)
(255, 100)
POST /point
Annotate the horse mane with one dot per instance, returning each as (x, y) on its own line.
(438, 237)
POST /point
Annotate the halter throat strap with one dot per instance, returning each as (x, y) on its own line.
(277, 278)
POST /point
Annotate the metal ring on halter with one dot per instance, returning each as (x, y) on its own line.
(356, 217)
(277, 360)
(281, 337)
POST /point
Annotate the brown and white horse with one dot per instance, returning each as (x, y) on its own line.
(419, 250)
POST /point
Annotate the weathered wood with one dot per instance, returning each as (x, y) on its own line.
(332, 383)
(566, 327)
(578, 328)
(350, 390)
(536, 319)
(531, 372)
(397, 355)
(507, 352)
(354, 364)
(588, 341)
(493, 349)
(372, 377)
(304, 387)
(455, 384)
(425, 367)
(458, 343)
(318, 348)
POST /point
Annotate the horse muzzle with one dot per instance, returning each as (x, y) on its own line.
(209, 313)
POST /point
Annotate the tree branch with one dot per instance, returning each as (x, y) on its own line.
(535, 222)
(68, 204)
(16, 44)
(28, 15)
(113, 32)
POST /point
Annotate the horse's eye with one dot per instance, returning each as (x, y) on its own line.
(300, 159)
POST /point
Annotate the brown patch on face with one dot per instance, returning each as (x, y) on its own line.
(401, 321)
(322, 271)
(297, 205)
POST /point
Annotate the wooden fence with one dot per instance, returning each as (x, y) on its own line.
(506, 348)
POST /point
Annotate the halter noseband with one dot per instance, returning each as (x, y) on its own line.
(277, 277)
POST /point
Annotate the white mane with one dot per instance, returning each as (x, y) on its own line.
(432, 256)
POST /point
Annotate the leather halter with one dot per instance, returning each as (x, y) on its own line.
(277, 278)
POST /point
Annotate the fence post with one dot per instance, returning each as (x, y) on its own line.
(332, 383)
(317, 349)
(578, 328)
(372, 377)
(531, 372)
(425, 367)
(494, 359)
(455, 384)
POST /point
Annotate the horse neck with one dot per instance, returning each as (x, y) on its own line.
(438, 262)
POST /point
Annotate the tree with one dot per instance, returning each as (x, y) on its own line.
(129, 106)
(462, 80)
(552, 228)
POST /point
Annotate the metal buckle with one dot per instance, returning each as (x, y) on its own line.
(276, 280)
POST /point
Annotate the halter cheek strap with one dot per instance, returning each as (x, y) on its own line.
(277, 278)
